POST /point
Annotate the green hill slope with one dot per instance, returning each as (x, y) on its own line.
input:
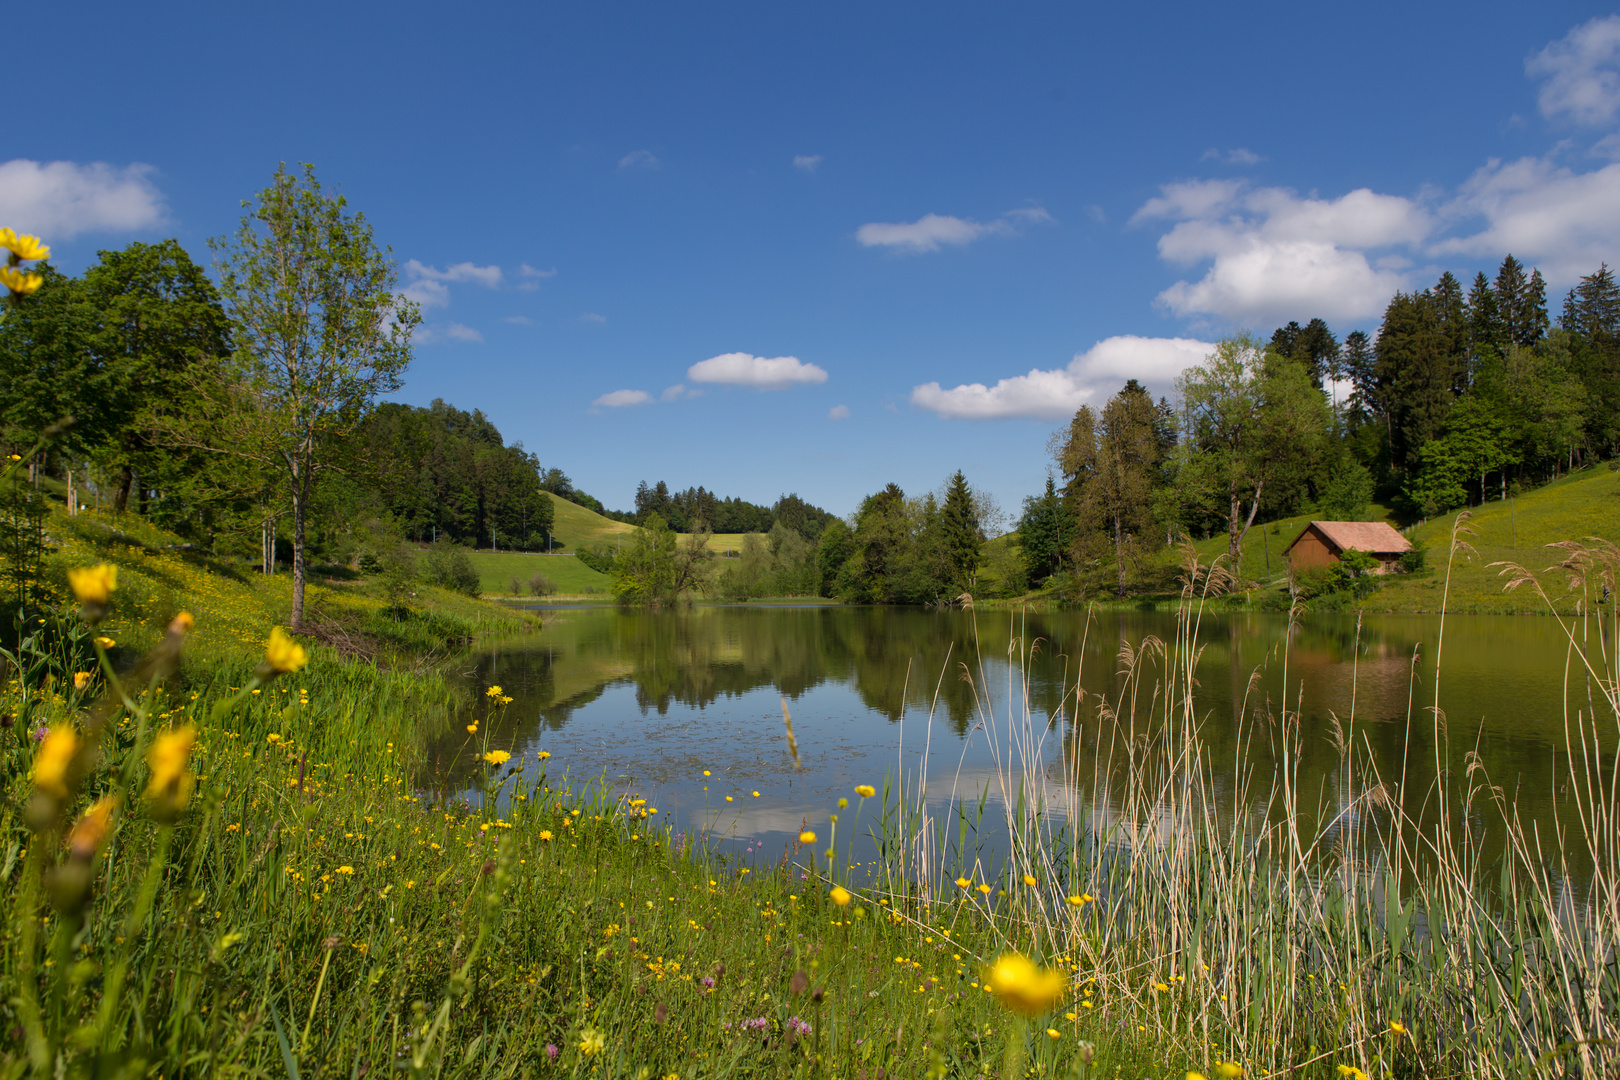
(576, 527)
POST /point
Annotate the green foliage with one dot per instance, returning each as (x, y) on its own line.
(1348, 493)
(446, 565)
(960, 534)
(657, 567)
(1043, 534)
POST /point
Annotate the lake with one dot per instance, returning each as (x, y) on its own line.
(652, 699)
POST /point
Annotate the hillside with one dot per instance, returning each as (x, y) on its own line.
(576, 527)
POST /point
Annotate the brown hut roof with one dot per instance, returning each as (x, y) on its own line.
(1373, 537)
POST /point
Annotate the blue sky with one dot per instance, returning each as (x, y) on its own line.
(817, 248)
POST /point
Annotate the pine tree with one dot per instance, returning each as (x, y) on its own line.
(963, 539)
(1358, 368)
(1413, 374)
(1486, 336)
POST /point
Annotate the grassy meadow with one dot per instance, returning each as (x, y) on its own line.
(289, 894)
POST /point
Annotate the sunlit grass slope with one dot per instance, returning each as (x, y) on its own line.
(571, 576)
(579, 527)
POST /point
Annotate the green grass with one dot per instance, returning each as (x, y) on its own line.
(313, 911)
(572, 577)
(579, 527)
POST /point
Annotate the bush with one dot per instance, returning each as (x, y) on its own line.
(600, 559)
(540, 585)
(448, 567)
(1412, 560)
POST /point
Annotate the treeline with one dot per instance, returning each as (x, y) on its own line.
(684, 511)
(1461, 396)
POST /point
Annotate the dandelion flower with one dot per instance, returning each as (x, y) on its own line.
(93, 585)
(493, 692)
(171, 782)
(1023, 987)
(840, 895)
(52, 761)
(807, 837)
(81, 679)
(19, 282)
(865, 791)
(545, 834)
(283, 655)
(543, 755)
(24, 247)
(1053, 1033)
(497, 757)
(1228, 1070)
(1350, 1072)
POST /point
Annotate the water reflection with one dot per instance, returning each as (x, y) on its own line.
(655, 698)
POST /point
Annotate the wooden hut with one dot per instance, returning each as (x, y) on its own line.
(1322, 542)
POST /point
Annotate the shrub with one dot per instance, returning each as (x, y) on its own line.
(448, 567)
(540, 585)
(1413, 560)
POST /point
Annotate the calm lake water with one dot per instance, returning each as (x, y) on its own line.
(652, 699)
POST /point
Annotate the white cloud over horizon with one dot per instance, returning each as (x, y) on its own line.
(1238, 155)
(1273, 254)
(838, 412)
(807, 162)
(619, 399)
(757, 372)
(639, 159)
(1581, 73)
(1091, 376)
(58, 200)
(931, 231)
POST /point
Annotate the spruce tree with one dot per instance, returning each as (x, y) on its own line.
(963, 539)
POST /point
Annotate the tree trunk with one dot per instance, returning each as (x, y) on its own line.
(300, 478)
(126, 480)
(1119, 556)
(1235, 535)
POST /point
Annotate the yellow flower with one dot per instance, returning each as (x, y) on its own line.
(90, 832)
(1350, 1072)
(23, 284)
(493, 692)
(105, 642)
(807, 837)
(93, 584)
(542, 755)
(839, 895)
(24, 247)
(1195, 1076)
(52, 762)
(81, 679)
(1228, 1070)
(984, 888)
(1160, 987)
(171, 783)
(472, 729)
(865, 791)
(590, 1042)
(1024, 988)
(346, 870)
(1029, 881)
(962, 883)
(497, 757)
(283, 655)
(1076, 901)
(545, 834)
(1397, 1028)
(1053, 1033)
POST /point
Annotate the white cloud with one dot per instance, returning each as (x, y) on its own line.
(638, 159)
(807, 162)
(61, 199)
(592, 317)
(1581, 73)
(430, 286)
(1237, 156)
(672, 393)
(438, 335)
(532, 277)
(618, 399)
(838, 412)
(931, 231)
(1054, 395)
(744, 369)
(518, 320)
(1274, 254)
(1565, 222)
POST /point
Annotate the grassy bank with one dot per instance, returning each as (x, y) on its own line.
(313, 907)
